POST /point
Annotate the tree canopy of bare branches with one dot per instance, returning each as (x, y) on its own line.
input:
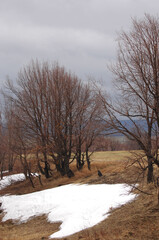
(136, 78)
(56, 115)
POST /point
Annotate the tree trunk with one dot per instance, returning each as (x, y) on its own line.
(46, 169)
(67, 169)
(47, 166)
(31, 181)
(157, 191)
(1, 174)
(2, 165)
(150, 171)
(80, 161)
(88, 161)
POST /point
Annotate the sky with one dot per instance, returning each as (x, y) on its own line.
(78, 34)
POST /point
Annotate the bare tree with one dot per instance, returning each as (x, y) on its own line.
(136, 75)
(28, 101)
(3, 164)
(9, 135)
(62, 113)
(87, 126)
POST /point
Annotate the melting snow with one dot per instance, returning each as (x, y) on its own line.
(77, 206)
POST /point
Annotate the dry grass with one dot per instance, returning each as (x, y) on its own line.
(111, 156)
(138, 220)
(37, 228)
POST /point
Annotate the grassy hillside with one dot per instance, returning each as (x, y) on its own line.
(136, 220)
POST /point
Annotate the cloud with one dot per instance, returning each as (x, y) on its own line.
(79, 34)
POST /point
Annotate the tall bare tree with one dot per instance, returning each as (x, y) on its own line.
(136, 77)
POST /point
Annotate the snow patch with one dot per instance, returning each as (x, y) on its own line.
(6, 171)
(77, 206)
(8, 180)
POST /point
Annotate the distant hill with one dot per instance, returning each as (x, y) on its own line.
(130, 125)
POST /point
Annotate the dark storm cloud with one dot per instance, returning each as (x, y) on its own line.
(79, 34)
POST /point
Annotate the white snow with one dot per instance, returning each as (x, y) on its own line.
(77, 206)
(8, 180)
(6, 171)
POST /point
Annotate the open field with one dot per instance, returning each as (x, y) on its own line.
(136, 220)
(111, 156)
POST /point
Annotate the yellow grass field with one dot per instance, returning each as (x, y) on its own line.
(111, 156)
(138, 220)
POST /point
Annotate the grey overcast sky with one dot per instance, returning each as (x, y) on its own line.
(79, 34)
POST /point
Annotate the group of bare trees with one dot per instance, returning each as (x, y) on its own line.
(52, 115)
